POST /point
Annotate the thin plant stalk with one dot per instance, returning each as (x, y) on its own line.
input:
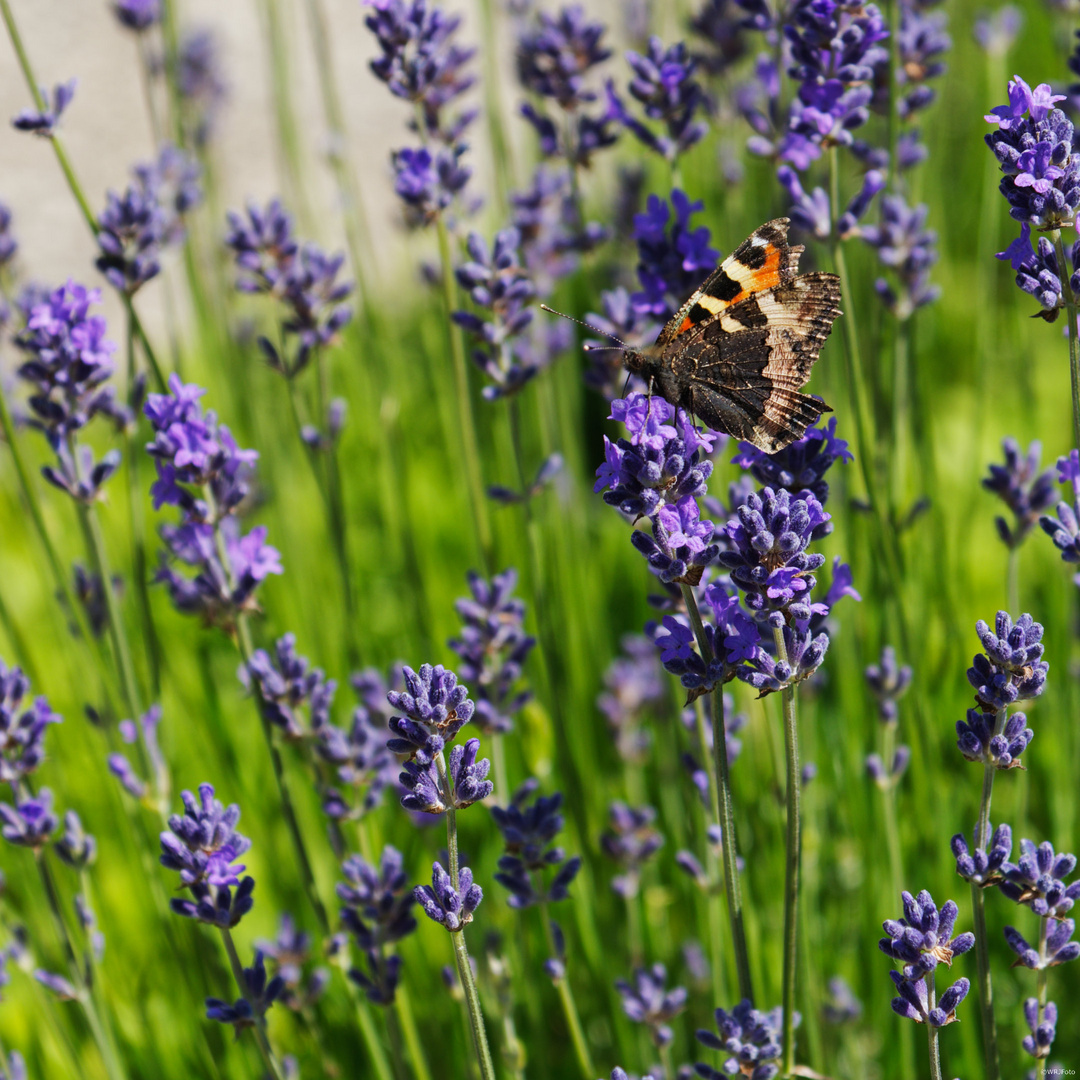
(262, 1040)
(1044, 931)
(1074, 347)
(792, 856)
(105, 1046)
(978, 907)
(461, 952)
(307, 874)
(932, 1033)
(413, 1046)
(1012, 579)
(725, 810)
(569, 1006)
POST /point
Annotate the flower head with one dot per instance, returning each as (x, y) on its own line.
(646, 1001)
(442, 903)
(630, 842)
(1033, 146)
(259, 994)
(913, 1002)
(43, 121)
(435, 707)
(556, 54)
(1025, 490)
(427, 184)
(30, 822)
(909, 249)
(201, 82)
(528, 832)
(983, 866)
(137, 15)
(632, 684)
(1011, 668)
(286, 685)
(1042, 1023)
(22, 727)
(888, 682)
(204, 846)
(751, 1038)
(1037, 880)
(1058, 948)
(923, 938)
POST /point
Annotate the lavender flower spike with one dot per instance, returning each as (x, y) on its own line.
(442, 903)
(923, 938)
(751, 1038)
(43, 122)
(260, 994)
(1025, 490)
(1037, 880)
(1012, 668)
(914, 1002)
(646, 1002)
(1043, 1030)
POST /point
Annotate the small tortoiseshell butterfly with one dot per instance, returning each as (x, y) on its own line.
(738, 352)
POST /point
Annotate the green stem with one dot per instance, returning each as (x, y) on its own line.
(1074, 349)
(469, 446)
(725, 809)
(1012, 579)
(569, 1006)
(461, 952)
(74, 608)
(368, 1032)
(1044, 932)
(307, 875)
(413, 1046)
(978, 905)
(117, 635)
(259, 1027)
(792, 854)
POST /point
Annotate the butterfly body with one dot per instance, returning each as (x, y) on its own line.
(738, 352)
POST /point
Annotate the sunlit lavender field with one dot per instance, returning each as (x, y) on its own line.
(391, 687)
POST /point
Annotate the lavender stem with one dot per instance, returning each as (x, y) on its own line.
(259, 1028)
(1074, 349)
(566, 996)
(932, 1031)
(725, 810)
(791, 875)
(461, 952)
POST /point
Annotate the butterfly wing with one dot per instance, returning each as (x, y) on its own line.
(764, 260)
(742, 369)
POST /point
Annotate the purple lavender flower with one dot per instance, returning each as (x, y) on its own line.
(466, 780)
(303, 278)
(812, 213)
(801, 466)
(1011, 668)
(204, 846)
(1064, 530)
(805, 652)
(983, 867)
(1033, 145)
(421, 61)
(888, 776)
(632, 686)
(30, 822)
(285, 686)
(646, 1001)
(553, 236)
(427, 185)
(731, 635)
(768, 558)
(76, 847)
(720, 24)
(914, 1001)
(983, 738)
(841, 1006)
(290, 951)
(493, 647)
(922, 39)
(57, 984)
(751, 1038)
(377, 902)
(924, 937)
(8, 244)
(201, 82)
(996, 31)
(528, 832)
(909, 249)
(43, 122)
(1037, 881)
(1038, 272)
(672, 257)
(201, 470)
(888, 682)
(630, 842)
(1055, 950)
(259, 994)
(1042, 1023)
(556, 54)
(1025, 490)
(436, 708)
(22, 730)
(69, 360)
(12, 1066)
(665, 86)
(496, 280)
(442, 903)
(137, 15)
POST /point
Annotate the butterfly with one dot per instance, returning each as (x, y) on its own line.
(737, 354)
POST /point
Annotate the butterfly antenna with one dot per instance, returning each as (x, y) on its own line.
(589, 326)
